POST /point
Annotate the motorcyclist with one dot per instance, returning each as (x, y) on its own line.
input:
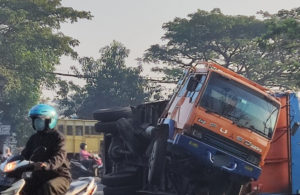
(87, 158)
(46, 148)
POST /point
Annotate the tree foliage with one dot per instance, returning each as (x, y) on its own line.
(109, 83)
(265, 51)
(30, 47)
(281, 45)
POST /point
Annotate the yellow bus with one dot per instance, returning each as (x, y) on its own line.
(77, 131)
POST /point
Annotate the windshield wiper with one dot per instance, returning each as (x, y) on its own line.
(251, 127)
(265, 123)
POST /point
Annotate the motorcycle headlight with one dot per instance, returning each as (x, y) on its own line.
(10, 166)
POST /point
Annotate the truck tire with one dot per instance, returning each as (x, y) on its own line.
(120, 179)
(112, 114)
(156, 161)
(122, 190)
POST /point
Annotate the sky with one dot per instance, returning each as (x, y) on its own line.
(137, 24)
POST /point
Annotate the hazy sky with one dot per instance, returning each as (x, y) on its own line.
(137, 23)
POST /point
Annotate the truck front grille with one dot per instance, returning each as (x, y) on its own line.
(222, 143)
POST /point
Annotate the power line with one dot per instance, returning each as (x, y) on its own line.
(86, 77)
(71, 75)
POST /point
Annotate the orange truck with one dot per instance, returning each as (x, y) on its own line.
(212, 137)
(224, 120)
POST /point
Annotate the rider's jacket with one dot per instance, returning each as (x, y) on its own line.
(84, 155)
(53, 153)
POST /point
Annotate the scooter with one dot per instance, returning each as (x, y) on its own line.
(79, 169)
(15, 171)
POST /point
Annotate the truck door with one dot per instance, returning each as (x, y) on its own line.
(188, 95)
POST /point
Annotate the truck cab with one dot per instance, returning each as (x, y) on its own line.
(223, 119)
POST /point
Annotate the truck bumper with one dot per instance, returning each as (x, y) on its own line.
(207, 154)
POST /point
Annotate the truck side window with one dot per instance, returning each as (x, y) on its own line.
(192, 94)
(199, 86)
(183, 89)
(179, 84)
(193, 80)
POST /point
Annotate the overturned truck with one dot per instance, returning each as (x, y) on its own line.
(211, 137)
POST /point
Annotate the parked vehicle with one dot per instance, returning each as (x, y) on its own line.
(211, 137)
(16, 170)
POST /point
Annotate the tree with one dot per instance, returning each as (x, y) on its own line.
(204, 36)
(30, 47)
(109, 83)
(240, 43)
(281, 47)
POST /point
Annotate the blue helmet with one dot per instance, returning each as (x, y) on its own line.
(46, 112)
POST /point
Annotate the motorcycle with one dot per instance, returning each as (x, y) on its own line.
(89, 168)
(15, 171)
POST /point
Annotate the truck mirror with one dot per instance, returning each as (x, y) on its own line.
(192, 84)
(295, 127)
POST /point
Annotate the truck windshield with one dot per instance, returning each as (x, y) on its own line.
(242, 105)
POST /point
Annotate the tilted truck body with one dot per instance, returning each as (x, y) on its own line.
(212, 137)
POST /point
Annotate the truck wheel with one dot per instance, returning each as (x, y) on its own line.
(112, 114)
(157, 161)
(123, 190)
